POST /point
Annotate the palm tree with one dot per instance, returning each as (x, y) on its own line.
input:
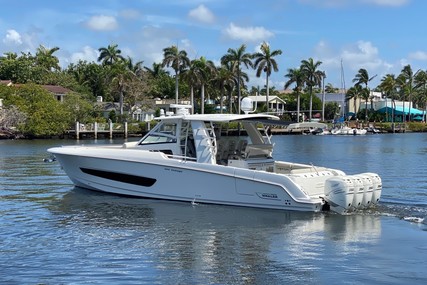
(354, 93)
(297, 77)
(237, 57)
(224, 81)
(420, 81)
(406, 82)
(329, 88)
(203, 70)
(264, 62)
(389, 86)
(110, 55)
(178, 60)
(313, 77)
(362, 77)
(46, 59)
(190, 76)
(156, 70)
(136, 67)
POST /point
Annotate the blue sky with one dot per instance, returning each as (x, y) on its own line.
(379, 35)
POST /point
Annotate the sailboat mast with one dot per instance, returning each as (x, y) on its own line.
(343, 90)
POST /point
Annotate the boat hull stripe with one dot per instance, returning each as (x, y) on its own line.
(121, 177)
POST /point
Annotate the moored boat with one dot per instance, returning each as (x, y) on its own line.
(185, 158)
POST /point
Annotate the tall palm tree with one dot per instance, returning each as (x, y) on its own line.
(406, 82)
(224, 81)
(420, 81)
(237, 57)
(389, 86)
(297, 77)
(110, 55)
(265, 62)
(354, 93)
(203, 69)
(362, 77)
(190, 76)
(178, 60)
(313, 77)
(46, 59)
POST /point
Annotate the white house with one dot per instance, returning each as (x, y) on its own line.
(275, 103)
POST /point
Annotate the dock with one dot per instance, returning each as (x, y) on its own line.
(99, 130)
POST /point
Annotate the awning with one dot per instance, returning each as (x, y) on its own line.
(399, 111)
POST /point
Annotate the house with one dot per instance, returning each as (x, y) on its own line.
(275, 103)
(58, 91)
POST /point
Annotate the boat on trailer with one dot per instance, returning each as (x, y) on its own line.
(185, 157)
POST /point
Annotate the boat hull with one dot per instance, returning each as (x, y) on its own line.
(154, 175)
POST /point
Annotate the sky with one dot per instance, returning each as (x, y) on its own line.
(381, 36)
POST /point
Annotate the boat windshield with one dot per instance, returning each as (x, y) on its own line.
(162, 133)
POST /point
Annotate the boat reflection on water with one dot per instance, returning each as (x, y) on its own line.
(129, 213)
(214, 244)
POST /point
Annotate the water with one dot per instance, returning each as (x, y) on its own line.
(54, 233)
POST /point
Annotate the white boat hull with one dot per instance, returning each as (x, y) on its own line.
(162, 178)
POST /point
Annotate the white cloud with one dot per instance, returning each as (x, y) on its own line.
(89, 54)
(418, 55)
(248, 34)
(362, 54)
(12, 37)
(202, 14)
(102, 23)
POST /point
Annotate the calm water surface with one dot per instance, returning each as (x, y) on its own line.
(54, 233)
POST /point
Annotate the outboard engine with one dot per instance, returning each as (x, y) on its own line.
(368, 191)
(359, 190)
(377, 187)
(339, 193)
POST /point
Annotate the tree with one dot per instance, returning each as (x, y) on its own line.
(313, 77)
(190, 76)
(329, 88)
(406, 81)
(297, 77)
(236, 57)
(136, 68)
(389, 86)
(265, 62)
(362, 78)
(45, 116)
(46, 59)
(354, 93)
(156, 70)
(178, 60)
(224, 81)
(18, 69)
(420, 81)
(203, 70)
(92, 76)
(110, 55)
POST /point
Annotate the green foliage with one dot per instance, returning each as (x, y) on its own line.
(78, 107)
(45, 115)
(417, 126)
(162, 87)
(331, 109)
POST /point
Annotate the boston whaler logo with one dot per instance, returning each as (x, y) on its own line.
(270, 196)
